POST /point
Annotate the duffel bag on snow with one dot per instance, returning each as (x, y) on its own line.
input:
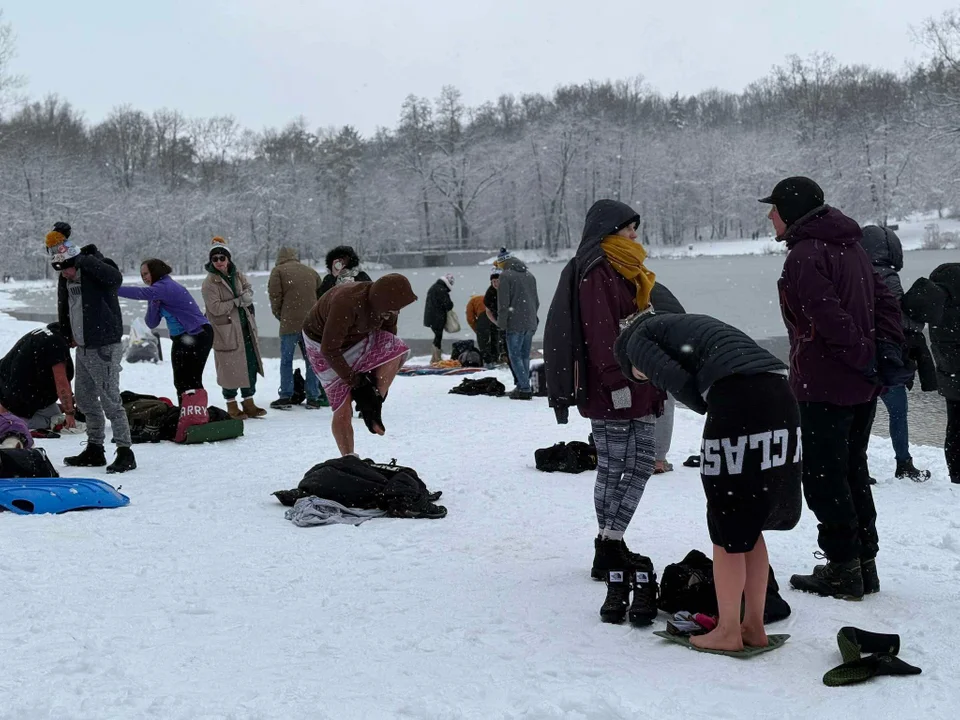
(32, 463)
(688, 585)
(357, 484)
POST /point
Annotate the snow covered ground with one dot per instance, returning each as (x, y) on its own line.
(199, 601)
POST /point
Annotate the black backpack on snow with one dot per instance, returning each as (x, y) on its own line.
(574, 457)
(688, 585)
(23, 463)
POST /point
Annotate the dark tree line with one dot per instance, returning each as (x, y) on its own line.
(520, 171)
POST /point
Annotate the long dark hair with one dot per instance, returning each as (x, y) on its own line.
(158, 269)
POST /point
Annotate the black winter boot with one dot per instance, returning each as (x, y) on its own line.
(125, 461)
(609, 555)
(643, 609)
(907, 470)
(614, 608)
(92, 456)
(843, 581)
(868, 571)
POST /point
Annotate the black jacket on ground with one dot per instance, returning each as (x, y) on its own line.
(937, 302)
(99, 280)
(437, 306)
(686, 354)
(564, 349)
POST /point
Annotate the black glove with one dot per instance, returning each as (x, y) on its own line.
(67, 263)
(369, 402)
(89, 250)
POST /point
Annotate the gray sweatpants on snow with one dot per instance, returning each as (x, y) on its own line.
(97, 390)
(42, 419)
(664, 429)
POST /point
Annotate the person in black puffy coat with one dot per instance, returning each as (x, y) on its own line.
(886, 253)
(435, 311)
(936, 301)
(750, 457)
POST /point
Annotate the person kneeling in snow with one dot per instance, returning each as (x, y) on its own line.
(352, 344)
(750, 457)
(34, 375)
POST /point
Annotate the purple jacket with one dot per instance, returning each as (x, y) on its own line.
(835, 308)
(10, 424)
(606, 298)
(168, 294)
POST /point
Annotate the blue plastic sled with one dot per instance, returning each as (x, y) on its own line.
(37, 496)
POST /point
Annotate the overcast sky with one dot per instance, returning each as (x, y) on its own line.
(342, 62)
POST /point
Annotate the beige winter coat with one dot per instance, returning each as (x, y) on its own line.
(293, 290)
(222, 310)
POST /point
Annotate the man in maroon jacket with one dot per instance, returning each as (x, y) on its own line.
(845, 335)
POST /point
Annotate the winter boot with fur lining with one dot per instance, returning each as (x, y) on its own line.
(234, 411)
(251, 410)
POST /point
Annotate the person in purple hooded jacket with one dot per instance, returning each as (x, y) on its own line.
(189, 328)
(846, 342)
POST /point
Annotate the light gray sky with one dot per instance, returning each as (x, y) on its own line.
(342, 62)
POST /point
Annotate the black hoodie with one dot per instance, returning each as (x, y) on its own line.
(564, 350)
(99, 281)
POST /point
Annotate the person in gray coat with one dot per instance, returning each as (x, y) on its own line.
(518, 305)
(886, 253)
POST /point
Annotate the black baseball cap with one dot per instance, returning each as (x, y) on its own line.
(794, 198)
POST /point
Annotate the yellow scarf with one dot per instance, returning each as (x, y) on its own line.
(627, 258)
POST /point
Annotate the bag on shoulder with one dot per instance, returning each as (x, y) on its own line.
(453, 322)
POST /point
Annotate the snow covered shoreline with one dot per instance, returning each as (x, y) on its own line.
(200, 601)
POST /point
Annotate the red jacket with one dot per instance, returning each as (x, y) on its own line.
(606, 298)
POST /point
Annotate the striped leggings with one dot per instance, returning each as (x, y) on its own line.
(626, 453)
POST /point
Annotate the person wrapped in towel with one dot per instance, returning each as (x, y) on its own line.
(750, 457)
(352, 344)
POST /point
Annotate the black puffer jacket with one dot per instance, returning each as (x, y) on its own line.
(99, 280)
(437, 306)
(664, 301)
(937, 301)
(886, 253)
(686, 354)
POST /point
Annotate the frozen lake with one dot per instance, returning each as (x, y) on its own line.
(741, 290)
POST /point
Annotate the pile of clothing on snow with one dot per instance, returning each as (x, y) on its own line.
(349, 490)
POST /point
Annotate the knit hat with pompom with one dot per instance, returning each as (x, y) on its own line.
(219, 246)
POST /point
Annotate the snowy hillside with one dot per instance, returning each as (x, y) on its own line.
(200, 600)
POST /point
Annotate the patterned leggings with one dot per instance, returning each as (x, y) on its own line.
(626, 453)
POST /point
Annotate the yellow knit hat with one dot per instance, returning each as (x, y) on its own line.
(55, 238)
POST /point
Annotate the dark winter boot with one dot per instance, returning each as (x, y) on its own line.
(608, 555)
(843, 581)
(125, 461)
(92, 456)
(614, 608)
(636, 560)
(643, 609)
(871, 580)
(905, 469)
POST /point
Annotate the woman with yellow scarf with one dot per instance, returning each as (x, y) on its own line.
(600, 291)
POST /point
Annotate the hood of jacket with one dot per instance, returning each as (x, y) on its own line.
(391, 293)
(947, 276)
(287, 254)
(883, 246)
(604, 218)
(515, 265)
(826, 224)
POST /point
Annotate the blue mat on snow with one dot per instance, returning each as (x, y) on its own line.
(38, 496)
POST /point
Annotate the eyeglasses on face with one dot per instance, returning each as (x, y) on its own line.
(218, 258)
